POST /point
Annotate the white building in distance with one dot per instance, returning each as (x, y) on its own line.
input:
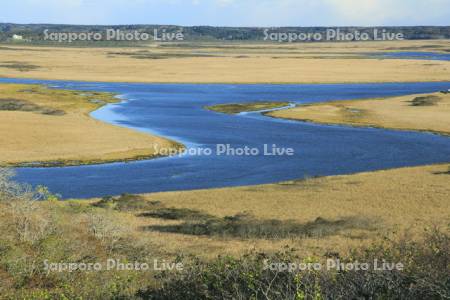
(17, 37)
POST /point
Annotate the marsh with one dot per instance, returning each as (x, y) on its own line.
(176, 112)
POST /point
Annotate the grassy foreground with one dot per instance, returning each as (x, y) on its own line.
(203, 62)
(367, 216)
(427, 112)
(48, 127)
(235, 108)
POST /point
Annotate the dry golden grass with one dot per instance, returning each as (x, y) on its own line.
(71, 138)
(231, 63)
(395, 112)
(391, 201)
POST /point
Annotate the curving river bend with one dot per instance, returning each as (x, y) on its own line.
(176, 111)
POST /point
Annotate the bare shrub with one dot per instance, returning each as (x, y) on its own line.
(29, 221)
(21, 212)
(9, 189)
(106, 229)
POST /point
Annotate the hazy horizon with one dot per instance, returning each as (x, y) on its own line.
(229, 13)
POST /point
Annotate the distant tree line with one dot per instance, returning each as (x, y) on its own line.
(34, 33)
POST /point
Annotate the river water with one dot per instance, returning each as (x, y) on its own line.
(176, 111)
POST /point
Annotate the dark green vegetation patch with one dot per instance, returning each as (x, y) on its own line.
(425, 101)
(235, 108)
(18, 66)
(245, 226)
(10, 104)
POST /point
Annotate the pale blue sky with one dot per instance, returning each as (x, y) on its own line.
(229, 12)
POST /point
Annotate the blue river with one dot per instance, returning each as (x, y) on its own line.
(176, 111)
(411, 55)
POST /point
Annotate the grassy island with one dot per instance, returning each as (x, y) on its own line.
(235, 108)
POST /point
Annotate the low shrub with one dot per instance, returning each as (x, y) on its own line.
(177, 214)
(425, 275)
(246, 226)
(126, 202)
(425, 101)
(10, 104)
(19, 66)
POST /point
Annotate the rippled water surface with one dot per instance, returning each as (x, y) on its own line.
(176, 111)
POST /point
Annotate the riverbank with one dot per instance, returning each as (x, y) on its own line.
(422, 112)
(301, 220)
(314, 216)
(48, 127)
(203, 62)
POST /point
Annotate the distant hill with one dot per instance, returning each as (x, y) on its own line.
(34, 33)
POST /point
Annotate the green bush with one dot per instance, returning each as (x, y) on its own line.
(177, 214)
(245, 226)
(426, 275)
(425, 101)
(126, 202)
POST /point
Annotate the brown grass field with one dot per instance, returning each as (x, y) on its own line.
(354, 209)
(226, 62)
(40, 126)
(427, 112)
